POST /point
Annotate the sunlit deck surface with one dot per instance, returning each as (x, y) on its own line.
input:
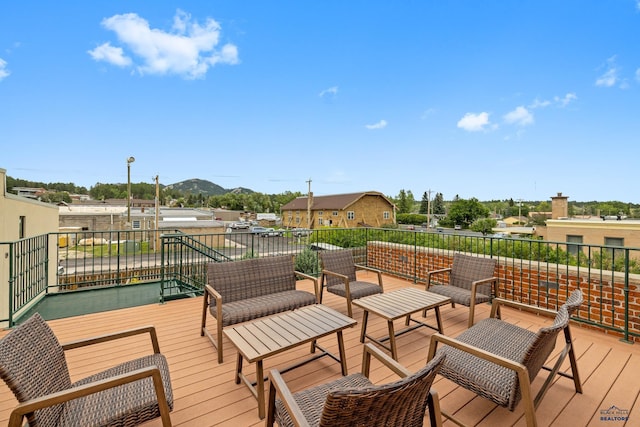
(206, 394)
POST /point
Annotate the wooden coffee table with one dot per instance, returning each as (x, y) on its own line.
(396, 304)
(261, 338)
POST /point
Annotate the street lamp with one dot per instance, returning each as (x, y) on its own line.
(129, 161)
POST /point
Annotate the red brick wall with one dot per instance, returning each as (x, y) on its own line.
(520, 280)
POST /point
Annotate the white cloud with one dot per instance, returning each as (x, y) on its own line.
(189, 50)
(610, 76)
(3, 69)
(428, 112)
(113, 55)
(566, 100)
(539, 104)
(474, 122)
(333, 91)
(520, 116)
(557, 100)
(380, 125)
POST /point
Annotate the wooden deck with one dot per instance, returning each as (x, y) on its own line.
(206, 395)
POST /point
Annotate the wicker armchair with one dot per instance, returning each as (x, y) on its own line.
(471, 282)
(498, 360)
(339, 277)
(33, 365)
(355, 401)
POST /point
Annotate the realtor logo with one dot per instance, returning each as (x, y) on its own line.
(614, 414)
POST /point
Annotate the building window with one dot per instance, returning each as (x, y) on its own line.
(290, 214)
(319, 213)
(614, 241)
(298, 220)
(574, 249)
(22, 227)
(135, 224)
(319, 221)
(386, 215)
(298, 215)
(334, 213)
(351, 215)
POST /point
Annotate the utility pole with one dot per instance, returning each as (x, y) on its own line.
(309, 196)
(157, 214)
(519, 209)
(129, 161)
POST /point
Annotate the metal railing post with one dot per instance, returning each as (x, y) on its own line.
(626, 297)
(11, 283)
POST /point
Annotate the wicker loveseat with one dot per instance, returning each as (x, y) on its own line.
(245, 290)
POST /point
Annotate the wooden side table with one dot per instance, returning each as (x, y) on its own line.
(396, 304)
(261, 338)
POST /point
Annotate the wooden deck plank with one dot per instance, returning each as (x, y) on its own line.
(206, 395)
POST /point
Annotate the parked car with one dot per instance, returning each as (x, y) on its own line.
(457, 227)
(300, 232)
(500, 235)
(239, 225)
(258, 230)
(271, 232)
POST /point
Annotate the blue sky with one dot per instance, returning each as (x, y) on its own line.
(493, 99)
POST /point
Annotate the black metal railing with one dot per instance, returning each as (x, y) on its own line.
(532, 271)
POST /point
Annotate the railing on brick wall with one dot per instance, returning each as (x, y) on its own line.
(538, 273)
(532, 271)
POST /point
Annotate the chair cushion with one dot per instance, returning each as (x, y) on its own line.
(358, 289)
(265, 305)
(128, 404)
(311, 401)
(458, 295)
(485, 378)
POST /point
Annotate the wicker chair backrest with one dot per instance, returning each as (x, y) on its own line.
(540, 349)
(340, 262)
(401, 403)
(32, 364)
(239, 280)
(466, 269)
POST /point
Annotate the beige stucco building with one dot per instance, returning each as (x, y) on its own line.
(591, 231)
(368, 208)
(20, 218)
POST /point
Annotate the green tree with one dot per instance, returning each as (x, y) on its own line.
(424, 204)
(464, 212)
(411, 201)
(56, 197)
(404, 203)
(438, 205)
(484, 225)
(543, 207)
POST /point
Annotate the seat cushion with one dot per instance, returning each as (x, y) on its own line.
(253, 308)
(358, 289)
(484, 378)
(311, 401)
(458, 295)
(128, 404)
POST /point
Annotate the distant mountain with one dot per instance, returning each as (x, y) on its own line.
(207, 188)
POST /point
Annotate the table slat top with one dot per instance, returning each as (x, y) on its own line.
(265, 337)
(396, 304)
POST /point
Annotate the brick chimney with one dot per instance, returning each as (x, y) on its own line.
(559, 207)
